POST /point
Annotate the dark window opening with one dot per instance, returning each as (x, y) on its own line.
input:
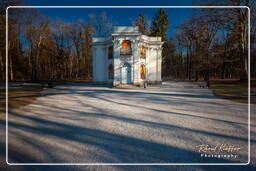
(110, 72)
(110, 52)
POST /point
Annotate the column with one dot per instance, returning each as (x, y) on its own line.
(116, 62)
(135, 61)
(159, 64)
(150, 62)
(94, 61)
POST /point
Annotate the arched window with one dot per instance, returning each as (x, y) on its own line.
(126, 44)
(142, 52)
(142, 71)
(110, 72)
(126, 48)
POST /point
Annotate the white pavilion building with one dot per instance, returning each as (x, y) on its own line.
(127, 57)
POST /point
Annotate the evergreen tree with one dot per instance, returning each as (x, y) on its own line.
(160, 25)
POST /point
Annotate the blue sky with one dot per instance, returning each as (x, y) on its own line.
(119, 16)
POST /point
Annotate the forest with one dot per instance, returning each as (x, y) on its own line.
(211, 44)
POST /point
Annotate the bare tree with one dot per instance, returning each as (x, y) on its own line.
(86, 50)
(102, 25)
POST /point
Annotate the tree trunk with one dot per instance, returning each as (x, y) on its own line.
(187, 63)
(243, 58)
(1, 67)
(11, 69)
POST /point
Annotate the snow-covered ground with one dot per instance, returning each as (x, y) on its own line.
(96, 124)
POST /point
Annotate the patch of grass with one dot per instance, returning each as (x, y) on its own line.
(19, 96)
(233, 90)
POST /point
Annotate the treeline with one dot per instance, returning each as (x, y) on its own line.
(40, 48)
(213, 43)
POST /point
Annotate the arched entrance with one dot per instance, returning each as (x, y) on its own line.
(126, 74)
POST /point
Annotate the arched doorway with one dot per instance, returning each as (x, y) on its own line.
(126, 74)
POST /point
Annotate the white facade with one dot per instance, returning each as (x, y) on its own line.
(135, 58)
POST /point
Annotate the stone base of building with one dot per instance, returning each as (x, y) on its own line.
(137, 84)
(155, 82)
(118, 84)
(102, 83)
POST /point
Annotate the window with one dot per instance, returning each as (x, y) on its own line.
(142, 52)
(126, 48)
(142, 71)
(110, 52)
(110, 72)
(126, 44)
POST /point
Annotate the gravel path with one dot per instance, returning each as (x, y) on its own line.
(89, 124)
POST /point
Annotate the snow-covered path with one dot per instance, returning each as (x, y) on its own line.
(162, 124)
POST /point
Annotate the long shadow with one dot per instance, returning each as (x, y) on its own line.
(124, 92)
(232, 123)
(153, 124)
(103, 114)
(167, 112)
(134, 121)
(95, 92)
(159, 94)
(115, 144)
(66, 90)
(121, 147)
(92, 92)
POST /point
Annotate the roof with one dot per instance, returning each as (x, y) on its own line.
(125, 29)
